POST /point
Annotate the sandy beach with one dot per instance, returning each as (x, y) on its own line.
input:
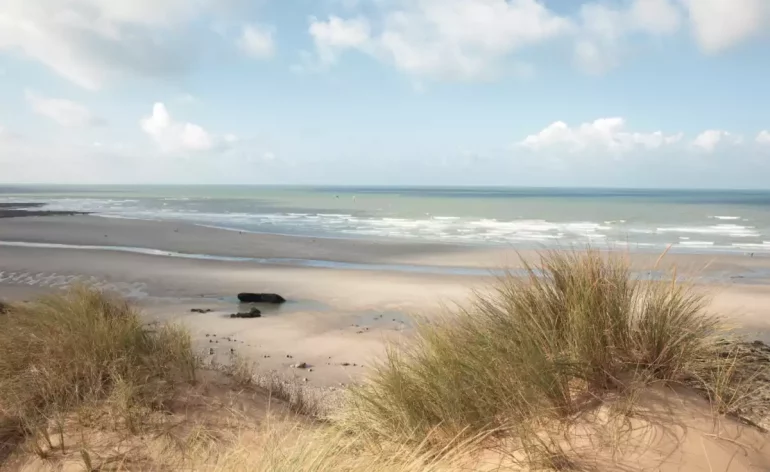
(347, 298)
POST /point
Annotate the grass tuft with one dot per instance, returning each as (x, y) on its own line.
(66, 352)
(538, 348)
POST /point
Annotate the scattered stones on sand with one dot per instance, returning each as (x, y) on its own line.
(253, 313)
(201, 310)
(248, 297)
(289, 356)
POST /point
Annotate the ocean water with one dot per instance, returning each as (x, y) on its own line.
(688, 220)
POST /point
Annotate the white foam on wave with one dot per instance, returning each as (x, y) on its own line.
(696, 243)
(732, 230)
(726, 217)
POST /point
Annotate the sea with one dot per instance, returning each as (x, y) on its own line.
(638, 219)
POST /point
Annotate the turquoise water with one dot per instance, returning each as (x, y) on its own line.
(696, 220)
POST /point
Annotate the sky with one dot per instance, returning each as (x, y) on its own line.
(599, 93)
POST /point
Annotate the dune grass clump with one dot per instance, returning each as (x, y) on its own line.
(64, 352)
(533, 350)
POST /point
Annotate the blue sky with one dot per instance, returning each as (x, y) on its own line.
(619, 93)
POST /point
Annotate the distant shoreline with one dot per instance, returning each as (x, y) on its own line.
(20, 210)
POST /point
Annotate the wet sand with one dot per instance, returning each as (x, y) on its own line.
(334, 316)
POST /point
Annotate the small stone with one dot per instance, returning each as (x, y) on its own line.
(345, 364)
(207, 335)
(310, 370)
(300, 365)
(305, 379)
(232, 351)
(211, 351)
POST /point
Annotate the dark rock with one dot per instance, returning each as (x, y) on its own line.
(261, 298)
(201, 310)
(301, 365)
(4, 307)
(253, 313)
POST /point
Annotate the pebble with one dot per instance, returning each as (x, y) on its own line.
(305, 379)
(211, 351)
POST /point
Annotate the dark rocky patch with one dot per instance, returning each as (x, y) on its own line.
(20, 210)
(253, 313)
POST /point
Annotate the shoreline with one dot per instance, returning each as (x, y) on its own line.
(347, 301)
(755, 277)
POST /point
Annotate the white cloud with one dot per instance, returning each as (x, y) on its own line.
(334, 36)
(655, 16)
(465, 39)
(64, 112)
(720, 24)
(709, 140)
(604, 134)
(89, 42)
(604, 30)
(257, 41)
(444, 39)
(763, 137)
(172, 136)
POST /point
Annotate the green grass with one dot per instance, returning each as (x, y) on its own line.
(533, 350)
